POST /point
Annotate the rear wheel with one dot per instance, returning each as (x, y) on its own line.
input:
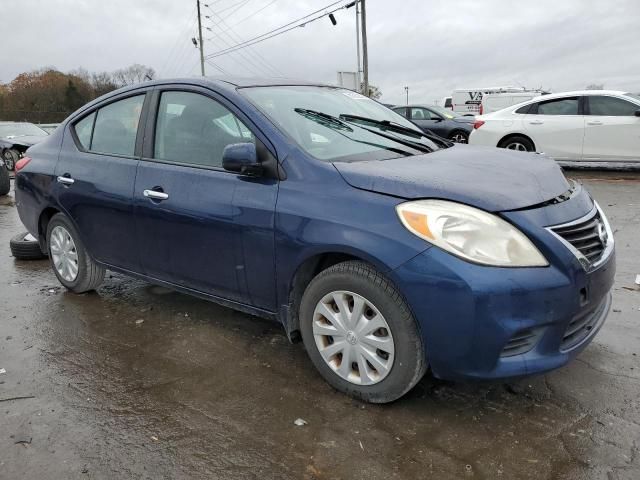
(518, 143)
(71, 262)
(459, 137)
(360, 334)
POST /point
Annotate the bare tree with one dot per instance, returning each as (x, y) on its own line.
(136, 73)
(595, 86)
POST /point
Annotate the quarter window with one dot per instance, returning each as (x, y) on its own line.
(116, 127)
(401, 111)
(194, 129)
(611, 106)
(559, 106)
(83, 130)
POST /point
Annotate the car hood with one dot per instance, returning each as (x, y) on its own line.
(27, 140)
(488, 178)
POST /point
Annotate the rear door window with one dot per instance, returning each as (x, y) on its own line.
(116, 127)
(194, 129)
(558, 106)
(420, 114)
(611, 106)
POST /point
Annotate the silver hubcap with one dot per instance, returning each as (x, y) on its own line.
(63, 253)
(353, 337)
(517, 146)
(459, 138)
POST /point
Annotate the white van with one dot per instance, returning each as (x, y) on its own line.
(467, 101)
(492, 102)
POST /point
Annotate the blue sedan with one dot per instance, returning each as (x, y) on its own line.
(386, 250)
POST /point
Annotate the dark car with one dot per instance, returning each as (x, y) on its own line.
(15, 138)
(386, 251)
(440, 121)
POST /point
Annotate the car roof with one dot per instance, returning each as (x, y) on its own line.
(584, 92)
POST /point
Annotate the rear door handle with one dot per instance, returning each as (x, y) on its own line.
(66, 180)
(537, 122)
(155, 195)
(594, 122)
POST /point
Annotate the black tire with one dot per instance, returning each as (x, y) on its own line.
(361, 278)
(90, 275)
(459, 136)
(511, 142)
(10, 157)
(23, 249)
(5, 182)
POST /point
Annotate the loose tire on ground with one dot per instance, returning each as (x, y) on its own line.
(518, 143)
(5, 182)
(361, 279)
(89, 275)
(25, 247)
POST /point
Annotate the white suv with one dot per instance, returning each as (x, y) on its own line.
(592, 126)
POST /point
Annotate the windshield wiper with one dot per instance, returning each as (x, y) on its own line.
(324, 119)
(385, 124)
(335, 123)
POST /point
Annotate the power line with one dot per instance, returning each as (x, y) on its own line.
(279, 31)
(237, 38)
(172, 51)
(240, 4)
(251, 15)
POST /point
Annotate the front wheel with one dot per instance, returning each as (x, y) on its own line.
(10, 158)
(71, 262)
(518, 143)
(360, 334)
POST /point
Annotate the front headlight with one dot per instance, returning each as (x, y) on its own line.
(470, 233)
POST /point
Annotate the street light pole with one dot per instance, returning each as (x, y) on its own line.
(406, 90)
(365, 53)
(358, 70)
(200, 40)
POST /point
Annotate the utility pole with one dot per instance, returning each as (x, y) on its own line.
(406, 90)
(200, 40)
(358, 70)
(365, 53)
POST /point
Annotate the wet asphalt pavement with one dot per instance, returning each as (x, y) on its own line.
(136, 381)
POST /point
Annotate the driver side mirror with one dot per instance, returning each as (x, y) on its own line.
(437, 119)
(242, 158)
(637, 113)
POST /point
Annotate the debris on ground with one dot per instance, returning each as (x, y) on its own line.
(23, 397)
(300, 422)
(140, 321)
(154, 438)
(2, 370)
(638, 279)
(24, 443)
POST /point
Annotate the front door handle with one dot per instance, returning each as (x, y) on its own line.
(155, 195)
(594, 122)
(66, 180)
(537, 122)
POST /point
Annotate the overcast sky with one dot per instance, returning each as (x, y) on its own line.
(432, 46)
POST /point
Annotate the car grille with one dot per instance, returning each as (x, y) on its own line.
(581, 325)
(521, 342)
(588, 236)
